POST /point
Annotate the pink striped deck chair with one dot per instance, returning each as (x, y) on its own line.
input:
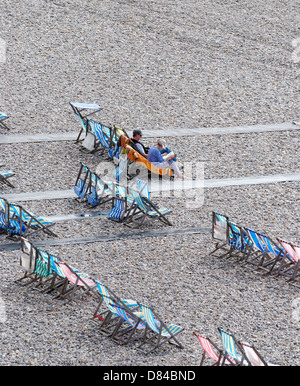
(210, 349)
(290, 264)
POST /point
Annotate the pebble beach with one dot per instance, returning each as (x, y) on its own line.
(153, 66)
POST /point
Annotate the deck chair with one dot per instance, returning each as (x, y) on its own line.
(8, 225)
(263, 252)
(233, 349)
(82, 182)
(83, 110)
(220, 231)
(213, 352)
(157, 332)
(109, 318)
(253, 356)
(3, 117)
(290, 261)
(143, 208)
(118, 212)
(5, 175)
(129, 326)
(101, 135)
(32, 223)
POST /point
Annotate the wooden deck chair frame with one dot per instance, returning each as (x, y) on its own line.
(157, 333)
(79, 109)
(3, 117)
(82, 182)
(4, 177)
(101, 133)
(98, 191)
(211, 350)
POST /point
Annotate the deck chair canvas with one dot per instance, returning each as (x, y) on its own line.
(82, 182)
(220, 231)
(3, 118)
(213, 352)
(83, 110)
(253, 356)
(99, 132)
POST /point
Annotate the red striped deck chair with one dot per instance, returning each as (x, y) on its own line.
(290, 263)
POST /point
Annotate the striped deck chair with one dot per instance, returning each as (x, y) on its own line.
(133, 325)
(233, 349)
(83, 110)
(32, 222)
(7, 224)
(74, 281)
(213, 352)
(220, 231)
(253, 355)
(5, 175)
(100, 131)
(290, 262)
(3, 117)
(98, 191)
(143, 208)
(263, 252)
(109, 318)
(157, 333)
(118, 212)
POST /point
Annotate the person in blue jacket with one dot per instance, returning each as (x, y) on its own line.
(155, 157)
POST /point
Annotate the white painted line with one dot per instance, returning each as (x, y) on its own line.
(72, 136)
(176, 185)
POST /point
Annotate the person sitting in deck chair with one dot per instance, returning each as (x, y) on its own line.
(156, 158)
(136, 136)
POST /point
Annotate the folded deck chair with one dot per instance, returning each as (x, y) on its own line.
(109, 317)
(213, 352)
(5, 175)
(233, 349)
(263, 251)
(83, 110)
(143, 208)
(253, 356)
(157, 332)
(289, 264)
(82, 182)
(3, 117)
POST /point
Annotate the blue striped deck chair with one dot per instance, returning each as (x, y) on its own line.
(7, 224)
(32, 222)
(120, 171)
(143, 208)
(118, 212)
(3, 117)
(129, 324)
(263, 252)
(99, 130)
(157, 333)
(5, 175)
(82, 182)
(109, 317)
(233, 349)
(83, 110)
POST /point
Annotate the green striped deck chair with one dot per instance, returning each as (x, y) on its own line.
(3, 118)
(143, 208)
(157, 332)
(82, 111)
